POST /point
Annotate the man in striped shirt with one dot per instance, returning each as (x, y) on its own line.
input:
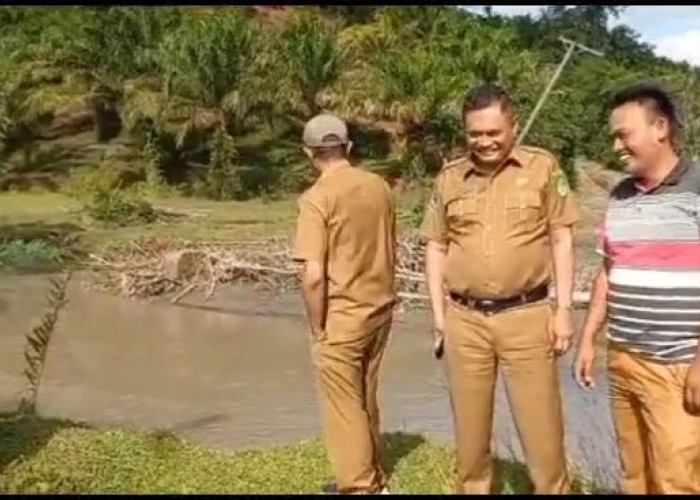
(648, 289)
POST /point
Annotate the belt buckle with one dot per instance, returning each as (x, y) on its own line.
(486, 303)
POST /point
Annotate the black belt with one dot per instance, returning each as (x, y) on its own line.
(492, 306)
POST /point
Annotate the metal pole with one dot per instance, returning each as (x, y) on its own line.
(572, 46)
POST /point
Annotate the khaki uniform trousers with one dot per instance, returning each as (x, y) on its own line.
(347, 376)
(518, 339)
(658, 442)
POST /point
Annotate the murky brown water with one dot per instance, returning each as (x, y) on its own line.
(236, 371)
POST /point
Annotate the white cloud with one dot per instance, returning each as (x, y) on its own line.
(517, 10)
(512, 10)
(674, 31)
(684, 46)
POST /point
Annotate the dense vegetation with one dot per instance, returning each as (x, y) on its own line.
(61, 457)
(211, 101)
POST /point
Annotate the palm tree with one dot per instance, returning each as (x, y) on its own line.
(309, 60)
(208, 92)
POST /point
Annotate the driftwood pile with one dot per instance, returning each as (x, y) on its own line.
(175, 269)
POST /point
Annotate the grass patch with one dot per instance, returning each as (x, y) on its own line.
(54, 456)
(209, 220)
(38, 247)
(36, 255)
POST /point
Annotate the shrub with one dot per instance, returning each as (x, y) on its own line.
(113, 206)
(35, 255)
(85, 182)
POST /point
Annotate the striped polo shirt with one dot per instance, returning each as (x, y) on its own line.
(652, 241)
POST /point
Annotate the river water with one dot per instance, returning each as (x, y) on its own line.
(235, 371)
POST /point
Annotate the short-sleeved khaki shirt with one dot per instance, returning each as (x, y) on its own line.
(347, 220)
(496, 226)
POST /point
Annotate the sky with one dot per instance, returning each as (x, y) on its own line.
(674, 31)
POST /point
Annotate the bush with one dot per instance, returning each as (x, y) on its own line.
(36, 255)
(85, 182)
(113, 206)
(220, 180)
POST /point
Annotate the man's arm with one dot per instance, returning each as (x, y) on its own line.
(562, 241)
(692, 386)
(310, 248)
(562, 215)
(434, 276)
(434, 230)
(691, 396)
(597, 307)
(313, 287)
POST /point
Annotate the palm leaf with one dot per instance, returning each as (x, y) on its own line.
(38, 341)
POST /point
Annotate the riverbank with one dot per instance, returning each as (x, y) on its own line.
(48, 456)
(195, 246)
(234, 372)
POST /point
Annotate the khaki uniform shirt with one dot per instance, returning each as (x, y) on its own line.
(496, 225)
(347, 220)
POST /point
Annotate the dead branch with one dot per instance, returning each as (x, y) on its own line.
(178, 268)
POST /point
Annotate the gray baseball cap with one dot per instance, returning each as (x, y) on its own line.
(320, 127)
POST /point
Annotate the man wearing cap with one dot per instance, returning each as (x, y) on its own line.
(496, 222)
(345, 238)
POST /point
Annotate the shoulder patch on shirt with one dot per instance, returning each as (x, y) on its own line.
(560, 182)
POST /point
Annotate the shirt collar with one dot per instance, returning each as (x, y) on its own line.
(340, 165)
(673, 177)
(515, 157)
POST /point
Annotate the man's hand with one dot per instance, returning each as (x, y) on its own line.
(583, 365)
(692, 388)
(561, 331)
(438, 342)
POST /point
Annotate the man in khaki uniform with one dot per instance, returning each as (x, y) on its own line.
(497, 221)
(346, 240)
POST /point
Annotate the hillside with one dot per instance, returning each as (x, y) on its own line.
(210, 100)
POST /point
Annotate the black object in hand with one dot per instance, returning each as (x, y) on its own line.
(438, 347)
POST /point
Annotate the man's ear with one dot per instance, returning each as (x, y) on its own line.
(516, 127)
(663, 128)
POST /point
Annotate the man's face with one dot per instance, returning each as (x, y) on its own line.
(490, 134)
(637, 136)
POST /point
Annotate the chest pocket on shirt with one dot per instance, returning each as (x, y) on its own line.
(523, 209)
(462, 213)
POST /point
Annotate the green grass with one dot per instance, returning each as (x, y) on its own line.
(37, 255)
(53, 456)
(194, 219)
(204, 220)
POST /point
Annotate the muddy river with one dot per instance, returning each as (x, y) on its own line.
(235, 371)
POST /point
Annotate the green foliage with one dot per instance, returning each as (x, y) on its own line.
(33, 255)
(114, 207)
(106, 176)
(209, 57)
(154, 156)
(221, 179)
(53, 457)
(38, 341)
(206, 79)
(310, 61)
